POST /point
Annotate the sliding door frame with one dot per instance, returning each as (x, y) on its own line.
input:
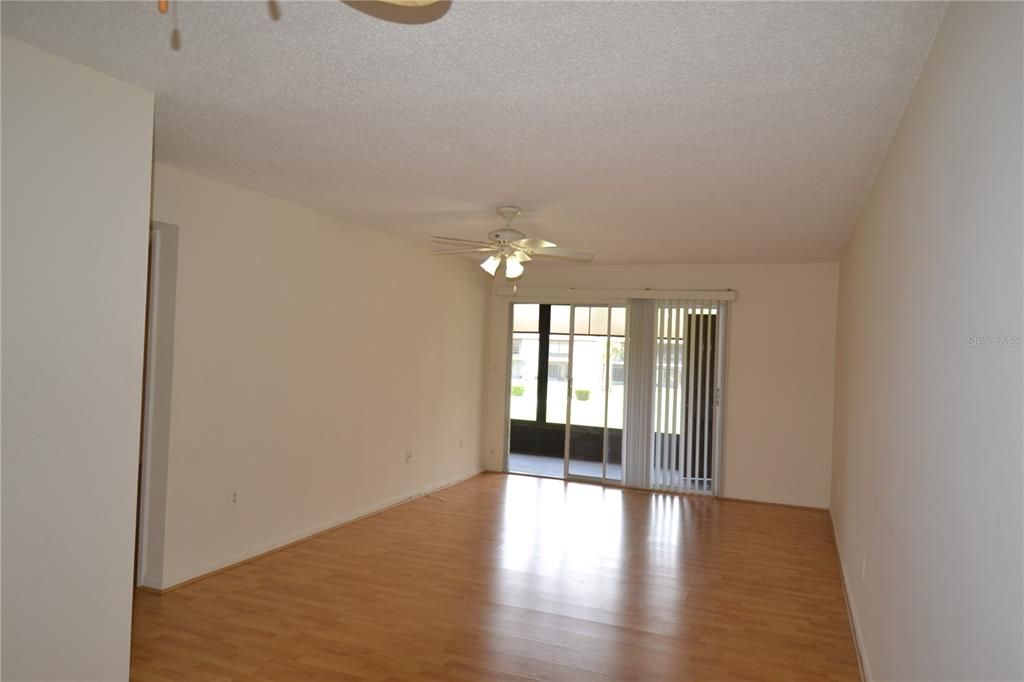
(721, 336)
(606, 385)
(566, 450)
(567, 444)
(573, 297)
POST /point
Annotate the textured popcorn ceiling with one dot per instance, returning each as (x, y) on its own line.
(648, 132)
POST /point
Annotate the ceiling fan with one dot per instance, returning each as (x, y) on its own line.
(397, 11)
(511, 246)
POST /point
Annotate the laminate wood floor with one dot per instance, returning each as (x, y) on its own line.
(517, 578)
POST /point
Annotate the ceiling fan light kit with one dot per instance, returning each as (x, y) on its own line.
(490, 265)
(510, 246)
(513, 268)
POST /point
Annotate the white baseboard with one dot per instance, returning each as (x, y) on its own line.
(858, 642)
(169, 583)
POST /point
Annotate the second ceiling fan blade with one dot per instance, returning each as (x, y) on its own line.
(564, 254)
(455, 252)
(458, 242)
(531, 243)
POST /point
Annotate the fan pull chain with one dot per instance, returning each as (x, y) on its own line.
(273, 9)
(175, 33)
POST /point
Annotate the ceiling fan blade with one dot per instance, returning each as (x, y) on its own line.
(564, 254)
(530, 243)
(456, 252)
(402, 12)
(458, 242)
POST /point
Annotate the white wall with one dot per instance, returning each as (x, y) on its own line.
(927, 483)
(308, 357)
(76, 180)
(780, 363)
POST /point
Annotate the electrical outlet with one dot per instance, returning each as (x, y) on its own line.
(233, 499)
(460, 441)
(863, 567)
(408, 456)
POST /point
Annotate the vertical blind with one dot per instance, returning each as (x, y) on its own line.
(672, 407)
(636, 434)
(684, 395)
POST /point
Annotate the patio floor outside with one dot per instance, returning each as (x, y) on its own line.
(539, 465)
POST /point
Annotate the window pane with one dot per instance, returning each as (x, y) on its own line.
(559, 319)
(588, 372)
(618, 322)
(599, 321)
(525, 317)
(616, 383)
(523, 401)
(581, 323)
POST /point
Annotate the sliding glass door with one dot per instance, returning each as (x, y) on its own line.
(594, 428)
(568, 408)
(567, 390)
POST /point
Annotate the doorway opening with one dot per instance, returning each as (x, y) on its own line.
(156, 405)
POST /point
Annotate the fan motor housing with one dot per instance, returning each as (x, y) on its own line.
(505, 234)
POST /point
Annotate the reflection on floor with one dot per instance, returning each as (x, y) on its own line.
(520, 578)
(537, 465)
